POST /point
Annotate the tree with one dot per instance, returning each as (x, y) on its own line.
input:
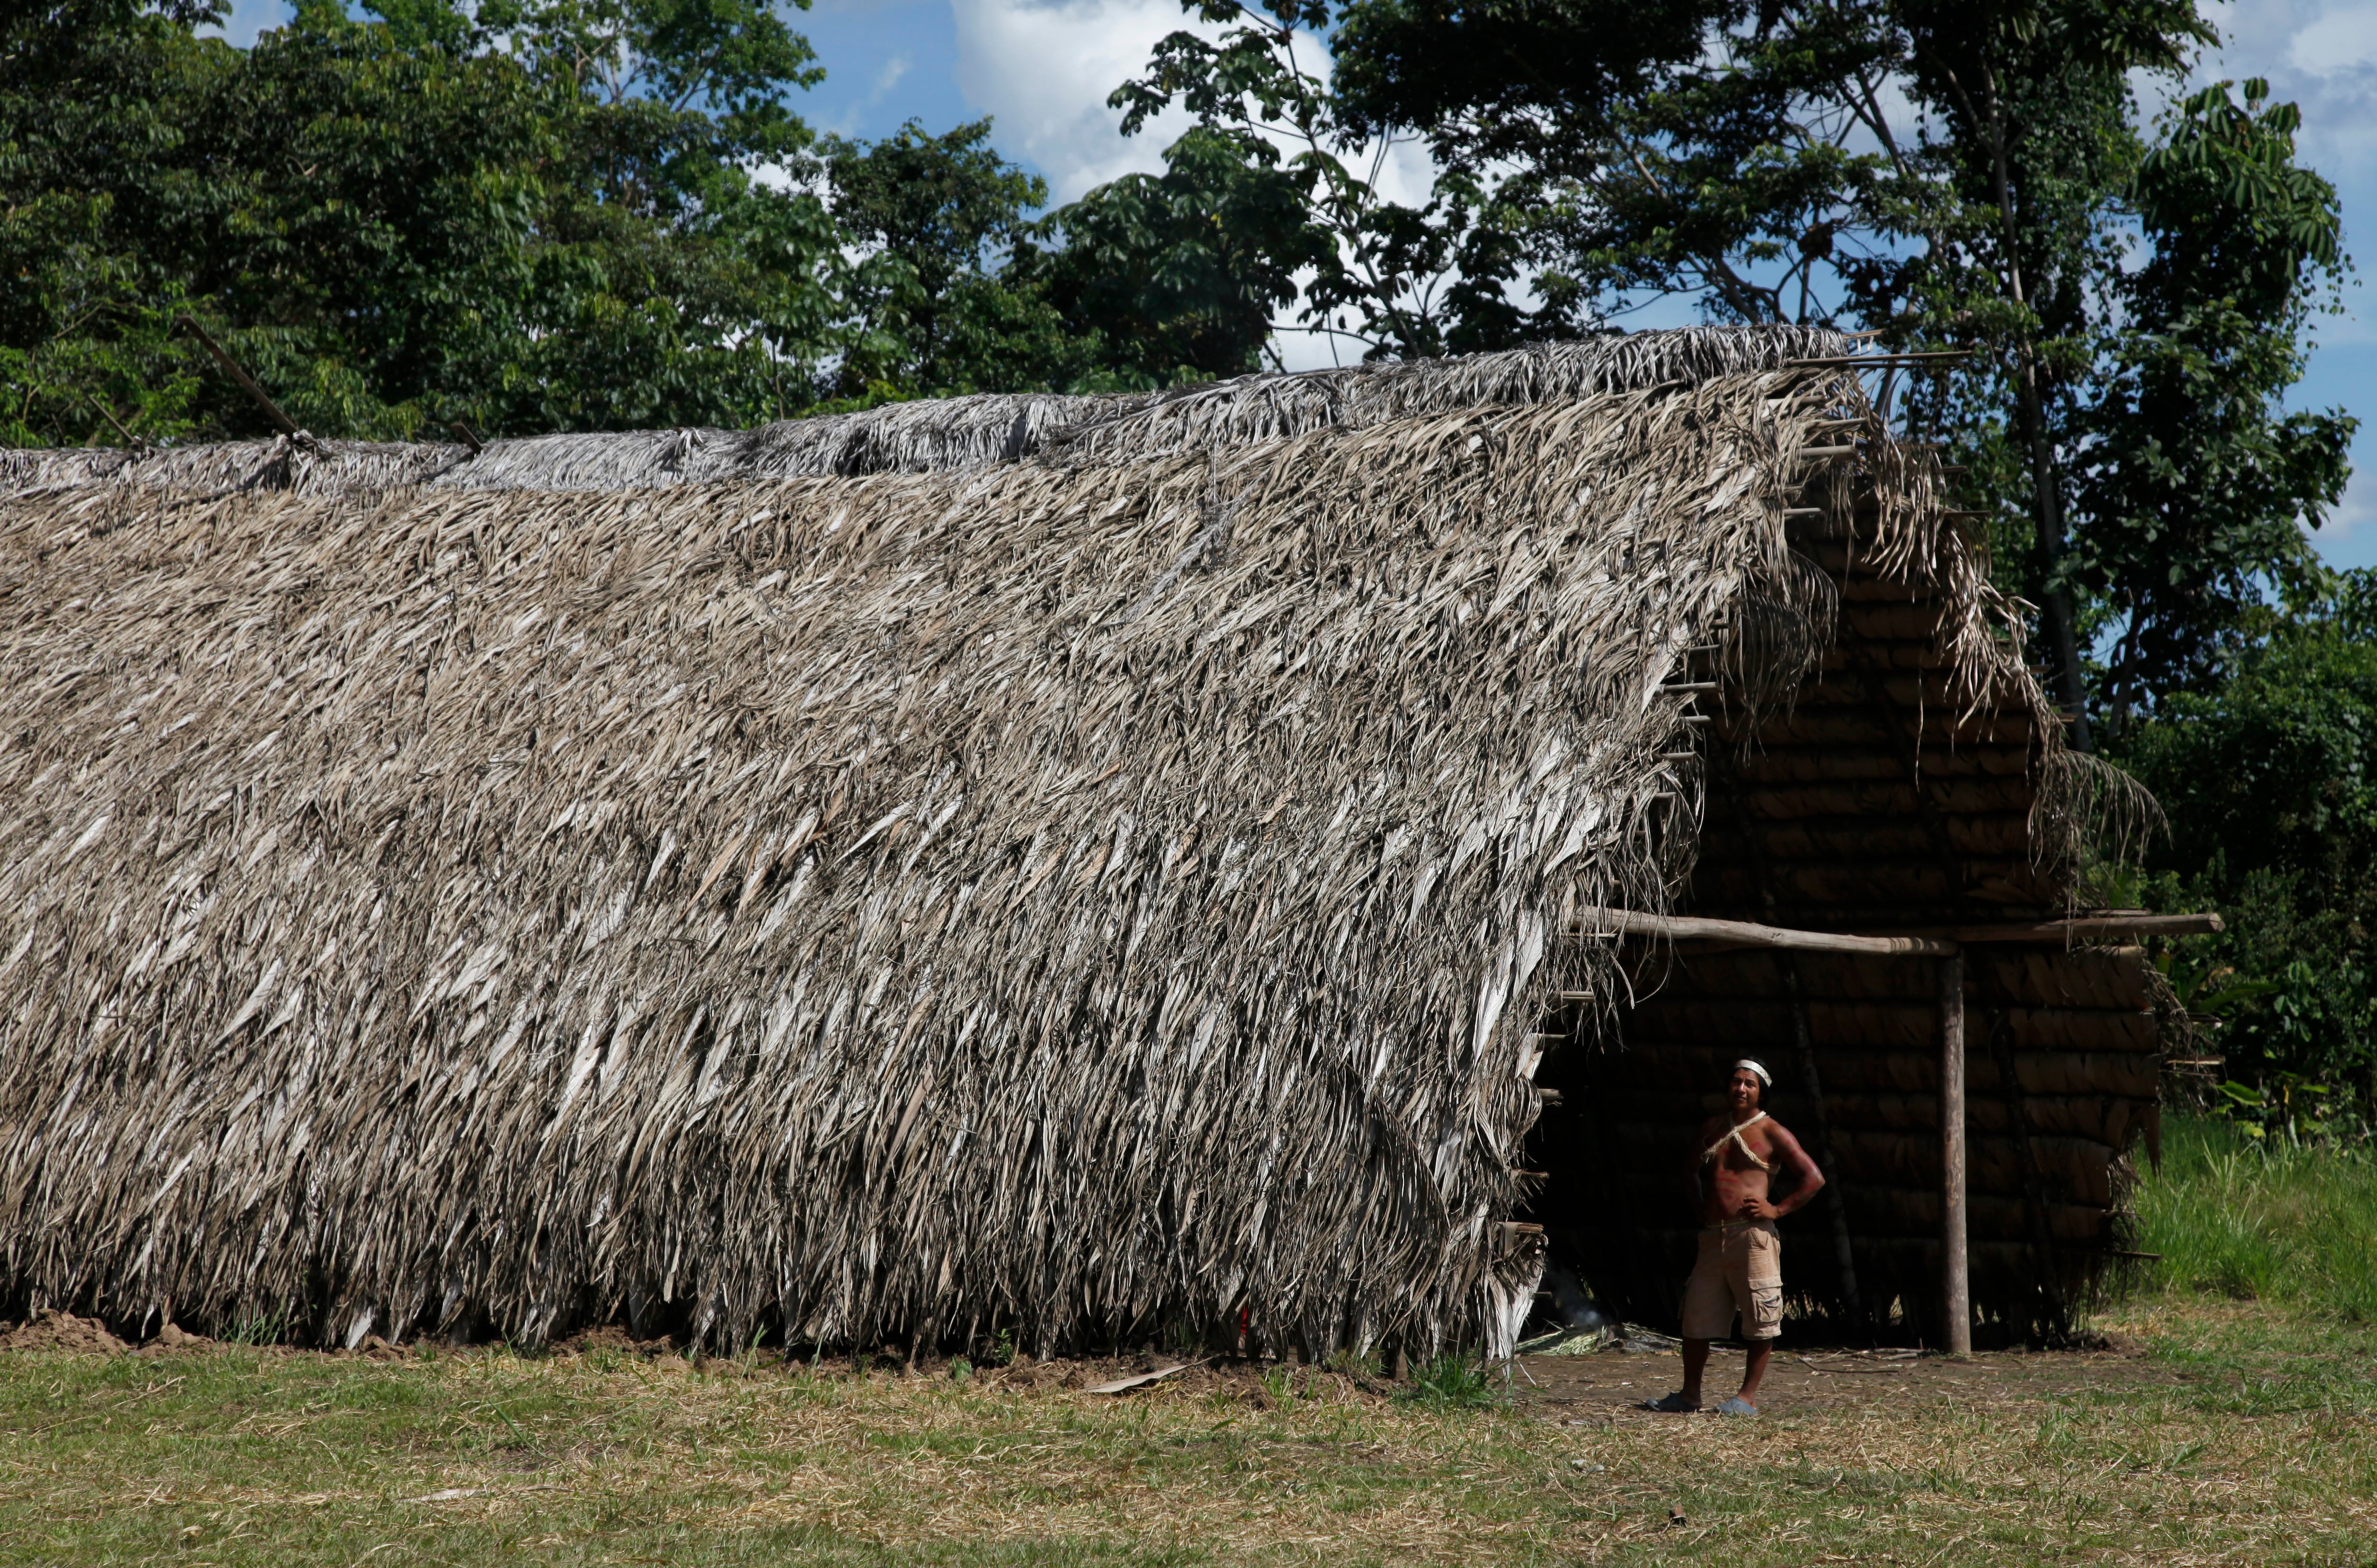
(1176, 276)
(2270, 781)
(1948, 175)
(83, 332)
(534, 218)
(1402, 280)
(934, 302)
(2194, 489)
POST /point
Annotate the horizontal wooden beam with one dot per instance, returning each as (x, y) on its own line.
(1743, 933)
(2123, 928)
(1936, 941)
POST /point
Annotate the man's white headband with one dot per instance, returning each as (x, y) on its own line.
(1765, 1078)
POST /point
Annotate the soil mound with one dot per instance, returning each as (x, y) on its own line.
(172, 1336)
(48, 1329)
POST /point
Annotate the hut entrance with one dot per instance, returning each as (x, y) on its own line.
(1621, 1122)
(1887, 1250)
(1885, 800)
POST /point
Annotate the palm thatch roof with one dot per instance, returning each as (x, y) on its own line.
(1080, 870)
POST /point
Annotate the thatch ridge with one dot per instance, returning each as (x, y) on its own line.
(967, 432)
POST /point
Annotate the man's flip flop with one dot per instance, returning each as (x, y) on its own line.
(1737, 1406)
(1673, 1405)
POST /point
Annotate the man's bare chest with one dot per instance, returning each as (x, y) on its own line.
(1745, 1150)
(1757, 1160)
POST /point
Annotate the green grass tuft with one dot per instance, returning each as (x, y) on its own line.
(1455, 1383)
(2266, 1221)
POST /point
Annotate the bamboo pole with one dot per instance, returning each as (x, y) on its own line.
(1935, 942)
(1883, 361)
(2085, 929)
(1744, 933)
(1957, 1293)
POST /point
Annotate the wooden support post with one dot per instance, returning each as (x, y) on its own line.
(1935, 942)
(1879, 361)
(1956, 1285)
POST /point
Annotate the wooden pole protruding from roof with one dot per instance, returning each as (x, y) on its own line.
(1956, 1283)
(1745, 933)
(109, 414)
(247, 382)
(1881, 361)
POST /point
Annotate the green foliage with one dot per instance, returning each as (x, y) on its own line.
(540, 215)
(2270, 781)
(1402, 280)
(935, 305)
(2193, 487)
(1965, 175)
(444, 214)
(263, 1328)
(2288, 1108)
(2274, 1218)
(1454, 1382)
(79, 324)
(1177, 276)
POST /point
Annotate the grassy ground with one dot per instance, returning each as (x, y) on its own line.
(2246, 1431)
(2281, 1223)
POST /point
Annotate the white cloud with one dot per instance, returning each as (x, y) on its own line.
(2322, 57)
(1043, 69)
(2349, 536)
(2335, 40)
(853, 115)
(888, 77)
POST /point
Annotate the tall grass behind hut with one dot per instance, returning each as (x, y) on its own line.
(1079, 901)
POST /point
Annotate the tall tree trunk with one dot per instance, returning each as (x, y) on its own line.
(2047, 514)
(2047, 511)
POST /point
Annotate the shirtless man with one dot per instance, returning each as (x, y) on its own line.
(1740, 1267)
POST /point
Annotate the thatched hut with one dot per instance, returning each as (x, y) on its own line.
(1080, 869)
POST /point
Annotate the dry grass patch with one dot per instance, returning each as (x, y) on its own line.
(2244, 1437)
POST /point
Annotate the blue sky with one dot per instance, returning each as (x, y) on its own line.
(1041, 69)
